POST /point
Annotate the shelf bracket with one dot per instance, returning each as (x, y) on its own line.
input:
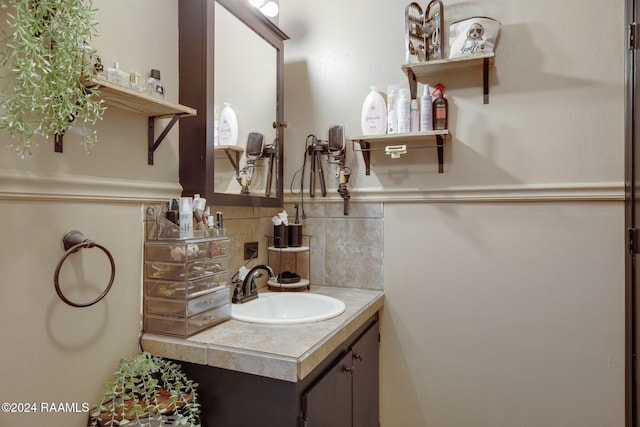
(366, 156)
(154, 143)
(58, 142)
(413, 84)
(485, 80)
(365, 149)
(440, 148)
(234, 162)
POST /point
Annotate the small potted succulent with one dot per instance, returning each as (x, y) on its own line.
(147, 391)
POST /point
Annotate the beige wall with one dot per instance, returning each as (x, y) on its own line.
(504, 276)
(52, 352)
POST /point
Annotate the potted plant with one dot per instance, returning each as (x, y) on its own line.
(147, 391)
(45, 56)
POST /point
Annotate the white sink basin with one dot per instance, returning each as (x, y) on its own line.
(286, 308)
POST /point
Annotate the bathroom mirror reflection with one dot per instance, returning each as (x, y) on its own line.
(246, 81)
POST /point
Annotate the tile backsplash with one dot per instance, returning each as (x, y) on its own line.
(345, 251)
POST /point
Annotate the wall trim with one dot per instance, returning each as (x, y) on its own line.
(556, 192)
(24, 185)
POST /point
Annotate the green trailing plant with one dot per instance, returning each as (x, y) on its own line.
(45, 57)
(145, 388)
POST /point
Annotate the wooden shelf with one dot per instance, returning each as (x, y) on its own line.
(383, 141)
(136, 102)
(419, 71)
(152, 108)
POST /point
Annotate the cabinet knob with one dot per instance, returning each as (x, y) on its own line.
(281, 124)
(358, 356)
(347, 369)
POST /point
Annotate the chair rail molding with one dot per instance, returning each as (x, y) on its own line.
(25, 185)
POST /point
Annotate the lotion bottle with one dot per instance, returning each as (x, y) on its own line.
(228, 126)
(440, 109)
(426, 117)
(374, 114)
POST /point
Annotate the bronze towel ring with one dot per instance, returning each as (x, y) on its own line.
(73, 241)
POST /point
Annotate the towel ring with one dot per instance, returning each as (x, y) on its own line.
(73, 241)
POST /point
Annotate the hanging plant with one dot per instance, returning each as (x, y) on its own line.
(45, 57)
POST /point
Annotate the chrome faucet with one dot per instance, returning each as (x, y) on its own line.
(247, 289)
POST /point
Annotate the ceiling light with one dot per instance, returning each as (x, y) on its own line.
(270, 9)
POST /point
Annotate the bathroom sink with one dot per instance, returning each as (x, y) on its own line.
(287, 308)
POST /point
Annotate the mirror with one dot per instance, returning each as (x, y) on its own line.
(240, 51)
(246, 80)
(230, 53)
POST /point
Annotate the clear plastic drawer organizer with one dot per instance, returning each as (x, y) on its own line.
(186, 281)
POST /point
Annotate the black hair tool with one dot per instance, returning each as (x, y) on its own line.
(315, 150)
(270, 152)
(337, 155)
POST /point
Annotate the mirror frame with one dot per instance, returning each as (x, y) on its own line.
(196, 70)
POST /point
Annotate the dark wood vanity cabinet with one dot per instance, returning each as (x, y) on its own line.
(341, 391)
(347, 394)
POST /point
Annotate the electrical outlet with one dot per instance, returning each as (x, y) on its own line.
(250, 250)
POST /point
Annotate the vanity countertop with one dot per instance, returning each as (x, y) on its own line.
(285, 352)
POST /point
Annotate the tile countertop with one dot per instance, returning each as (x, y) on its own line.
(285, 352)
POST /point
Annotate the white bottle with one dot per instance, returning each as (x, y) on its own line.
(185, 217)
(404, 111)
(414, 116)
(426, 113)
(228, 126)
(374, 114)
(392, 109)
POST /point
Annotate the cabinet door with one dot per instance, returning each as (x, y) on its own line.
(328, 402)
(365, 380)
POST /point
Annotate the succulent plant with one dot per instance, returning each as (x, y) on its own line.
(144, 389)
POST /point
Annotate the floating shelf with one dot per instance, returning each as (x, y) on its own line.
(366, 142)
(420, 70)
(130, 100)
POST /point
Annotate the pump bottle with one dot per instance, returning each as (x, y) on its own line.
(440, 109)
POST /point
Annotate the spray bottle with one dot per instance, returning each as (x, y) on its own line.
(426, 104)
(440, 109)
